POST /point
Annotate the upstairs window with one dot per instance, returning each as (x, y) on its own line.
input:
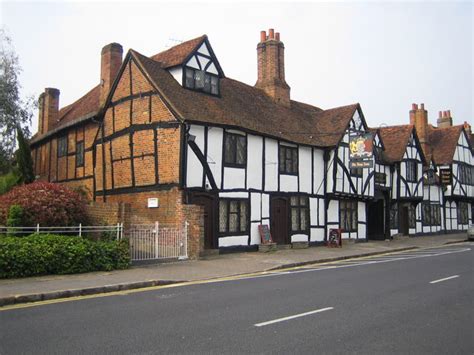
(235, 150)
(465, 174)
(411, 166)
(288, 160)
(62, 146)
(202, 81)
(79, 154)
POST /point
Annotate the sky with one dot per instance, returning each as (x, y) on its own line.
(384, 55)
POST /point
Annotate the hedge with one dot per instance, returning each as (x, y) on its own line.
(43, 254)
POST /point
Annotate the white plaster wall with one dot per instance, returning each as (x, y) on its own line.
(333, 211)
(329, 179)
(361, 228)
(255, 206)
(234, 178)
(299, 238)
(232, 194)
(254, 234)
(318, 166)
(214, 152)
(203, 49)
(192, 63)
(317, 234)
(254, 162)
(288, 183)
(313, 211)
(304, 167)
(265, 206)
(177, 74)
(194, 169)
(271, 165)
(233, 241)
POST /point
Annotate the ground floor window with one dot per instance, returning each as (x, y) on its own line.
(233, 216)
(431, 214)
(348, 215)
(299, 207)
(463, 216)
(394, 216)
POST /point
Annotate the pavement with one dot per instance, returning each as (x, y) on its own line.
(33, 289)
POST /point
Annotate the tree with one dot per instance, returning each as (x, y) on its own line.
(14, 111)
(23, 159)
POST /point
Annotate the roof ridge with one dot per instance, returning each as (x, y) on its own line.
(176, 54)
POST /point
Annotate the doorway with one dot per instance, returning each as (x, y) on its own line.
(208, 202)
(403, 220)
(376, 220)
(279, 220)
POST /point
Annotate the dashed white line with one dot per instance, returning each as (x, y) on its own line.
(293, 317)
(445, 279)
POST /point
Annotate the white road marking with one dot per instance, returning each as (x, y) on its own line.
(293, 317)
(445, 279)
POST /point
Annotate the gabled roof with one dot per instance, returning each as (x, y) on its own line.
(395, 140)
(443, 143)
(178, 54)
(243, 106)
(87, 104)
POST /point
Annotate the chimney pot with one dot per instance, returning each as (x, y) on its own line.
(422, 106)
(263, 36)
(414, 107)
(448, 113)
(271, 33)
(277, 36)
(440, 115)
(445, 114)
(111, 60)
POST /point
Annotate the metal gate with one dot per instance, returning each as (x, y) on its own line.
(156, 241)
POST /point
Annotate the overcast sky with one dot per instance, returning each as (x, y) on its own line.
(383, 55)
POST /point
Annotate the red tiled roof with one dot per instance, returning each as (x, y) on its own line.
(242, 105)
(443, 143)
(87, 104)
(177, 54)
(395, 140)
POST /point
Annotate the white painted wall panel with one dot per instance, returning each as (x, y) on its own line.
(233, 241)
(271, 165)
(304, 163)
(317, 234)
(234, 194)
(288, 183)
(333, 211)
(194, 167)
(318, 166)
(254, 162)
(255, 206)
(177, 74)
(254, 234)
(214, 152)
(313, 211)
(299, 238)
(265, 206)
(234, 178)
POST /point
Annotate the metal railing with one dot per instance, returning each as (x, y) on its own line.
(156, 241)
(79, 230)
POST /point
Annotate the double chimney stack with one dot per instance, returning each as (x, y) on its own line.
(271, 67)
(111, 60)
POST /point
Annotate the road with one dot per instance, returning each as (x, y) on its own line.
(416, 302)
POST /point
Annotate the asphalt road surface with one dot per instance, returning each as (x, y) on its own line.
(419, 302)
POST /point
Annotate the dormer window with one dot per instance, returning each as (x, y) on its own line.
(201, 80)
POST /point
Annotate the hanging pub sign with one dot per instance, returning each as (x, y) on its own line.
(446, 176)
(361, 151)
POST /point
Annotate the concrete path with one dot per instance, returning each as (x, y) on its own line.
(33, 289)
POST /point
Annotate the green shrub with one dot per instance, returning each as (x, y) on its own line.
(8, 181)
(43, 254)
(15, 218)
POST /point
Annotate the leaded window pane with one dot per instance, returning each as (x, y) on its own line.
(303, 219)
(189, 78)
(295, 161)
(294, 200)
(303, 201)
(199, 79)
(207, 83)
(80, 154)
(294, 219)
(229, 148)
(241, 150)
(214, 85)
(243, 216)
(222, 215)
(233, 222)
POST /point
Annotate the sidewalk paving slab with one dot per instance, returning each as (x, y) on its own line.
(33, 289)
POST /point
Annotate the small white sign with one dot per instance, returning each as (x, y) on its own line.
(152, 202)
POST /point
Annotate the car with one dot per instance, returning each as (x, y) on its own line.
(470, 232)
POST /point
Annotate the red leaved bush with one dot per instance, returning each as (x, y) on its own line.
(45, 203)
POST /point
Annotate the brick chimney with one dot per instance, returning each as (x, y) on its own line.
(419, 118)
(111, 60)
(445, 119)
(48, 110)
(271, 67)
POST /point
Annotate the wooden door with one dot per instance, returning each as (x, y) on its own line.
(375, 220)
(403, 220)
(210, 240)
(279, 220)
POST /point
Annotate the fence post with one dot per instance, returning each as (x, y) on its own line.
(185, 241)
(157, 225)
(80, 229)
(37, 228)
(118, 231)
